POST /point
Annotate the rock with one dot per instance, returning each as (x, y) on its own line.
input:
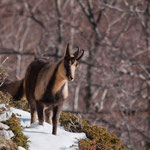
(5, 115)
(2, 106)
(6, 134)
(21, 148)
(4, 126)
(7, 144)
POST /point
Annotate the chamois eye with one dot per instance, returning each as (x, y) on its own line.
(72, 61)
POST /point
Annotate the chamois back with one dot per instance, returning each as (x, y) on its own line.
(32, 75)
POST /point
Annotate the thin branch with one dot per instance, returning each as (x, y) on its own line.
(90, 17)
(99, 16)
(58, 22)
(121, 10)
(4, 51)
(4, 61)
(32, 16)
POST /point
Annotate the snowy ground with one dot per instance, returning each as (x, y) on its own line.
(41, 137)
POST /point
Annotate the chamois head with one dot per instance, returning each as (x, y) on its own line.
(71, 62)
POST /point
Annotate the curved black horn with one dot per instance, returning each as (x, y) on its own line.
(67, 54)
(76, 53)
(80, 55)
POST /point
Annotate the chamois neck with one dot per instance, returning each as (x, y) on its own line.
(60, 78)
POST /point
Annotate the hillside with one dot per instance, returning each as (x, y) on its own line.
(73, 132)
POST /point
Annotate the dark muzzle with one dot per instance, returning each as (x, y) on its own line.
(70, 78)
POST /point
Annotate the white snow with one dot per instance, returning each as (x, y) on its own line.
(41, 137)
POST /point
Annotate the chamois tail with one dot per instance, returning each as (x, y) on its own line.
(15, 89)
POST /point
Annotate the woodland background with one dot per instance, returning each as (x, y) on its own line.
(112, 85)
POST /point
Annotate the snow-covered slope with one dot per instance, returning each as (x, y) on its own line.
(41, 137)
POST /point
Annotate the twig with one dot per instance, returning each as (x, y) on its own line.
(4, 61)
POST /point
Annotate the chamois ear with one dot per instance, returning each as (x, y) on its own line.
(80, 55)
(67, 54)
(76, 53)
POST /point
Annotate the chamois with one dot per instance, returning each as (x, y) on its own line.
(46, 86)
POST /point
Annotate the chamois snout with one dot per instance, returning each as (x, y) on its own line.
(73, 68)
(70, 78)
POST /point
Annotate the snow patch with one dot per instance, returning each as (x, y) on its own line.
(41, 137)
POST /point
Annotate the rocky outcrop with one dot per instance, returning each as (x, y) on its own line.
(3, 126)
(5, 113)
(7, 144)
(5, 133)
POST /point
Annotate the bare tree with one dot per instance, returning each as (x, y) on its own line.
(112, 85)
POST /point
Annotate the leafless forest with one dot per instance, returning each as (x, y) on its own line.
(112, 85)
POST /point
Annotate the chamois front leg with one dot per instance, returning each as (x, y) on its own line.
(48, 115)
(55, 119)
(33, 115)
(40, 111)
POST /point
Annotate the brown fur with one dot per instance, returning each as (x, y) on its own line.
(42, 80)
(30, 84)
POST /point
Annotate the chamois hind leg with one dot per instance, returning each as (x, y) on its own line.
(33, 111)
(55, 119)
(40, 112)
(48, 115)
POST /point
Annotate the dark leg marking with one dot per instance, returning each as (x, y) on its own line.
(56, 115)
(48, 115)
(40, 111)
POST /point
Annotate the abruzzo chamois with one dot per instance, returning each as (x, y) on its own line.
(46, 86)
